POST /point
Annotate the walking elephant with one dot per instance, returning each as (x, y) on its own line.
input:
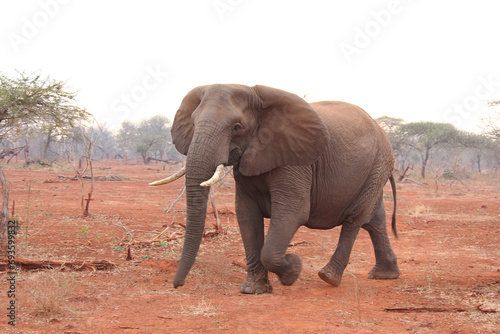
(317, 165)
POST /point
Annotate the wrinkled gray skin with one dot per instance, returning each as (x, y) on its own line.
(317, 165)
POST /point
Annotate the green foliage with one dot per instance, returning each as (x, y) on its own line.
(30, 101)
(149, 135)
(426, 139)
(425, 135)
(389, 124)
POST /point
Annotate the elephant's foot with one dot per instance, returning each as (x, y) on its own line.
(330, 276)
(384, 272)
(255, 285)
(293, 270)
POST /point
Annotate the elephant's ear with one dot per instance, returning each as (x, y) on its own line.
(183, 127)
(290, 132)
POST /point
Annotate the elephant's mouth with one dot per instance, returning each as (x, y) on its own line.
(235, 157)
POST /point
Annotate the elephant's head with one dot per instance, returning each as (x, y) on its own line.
(255, 129)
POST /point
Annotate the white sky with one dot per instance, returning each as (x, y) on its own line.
(417, 60)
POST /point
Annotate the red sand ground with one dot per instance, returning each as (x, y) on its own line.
(448, 254)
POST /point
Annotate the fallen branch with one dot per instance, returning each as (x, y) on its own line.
(438, 309)
(97, 178)
(239, 264)
(296, 243)
(173, 236)
(408, 179)
(27, 264)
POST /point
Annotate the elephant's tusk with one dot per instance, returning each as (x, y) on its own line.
(171, 178)
(215, 178)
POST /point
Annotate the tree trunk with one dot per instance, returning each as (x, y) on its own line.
(4, 214)
(47, 144)
(26, 151)
(424, 162)
(479, 163)
(144, 156)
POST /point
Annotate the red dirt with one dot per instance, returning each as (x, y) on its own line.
(448, 252)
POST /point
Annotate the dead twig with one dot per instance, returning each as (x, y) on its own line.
(179, 195)
(165, 230)
(126, 230)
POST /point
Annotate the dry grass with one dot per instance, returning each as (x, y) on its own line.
(418, 211)
(204, 309)
(50, 291)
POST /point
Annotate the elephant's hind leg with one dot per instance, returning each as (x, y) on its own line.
(333, 271)
(386, 266)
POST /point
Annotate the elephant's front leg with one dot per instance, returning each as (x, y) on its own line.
(274, 256)
(290, 202)
(251, 223)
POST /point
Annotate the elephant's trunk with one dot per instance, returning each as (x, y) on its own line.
(202, 160)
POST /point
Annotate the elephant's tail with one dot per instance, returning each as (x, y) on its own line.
(393, 186)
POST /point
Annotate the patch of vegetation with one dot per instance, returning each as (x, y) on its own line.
(50, 291)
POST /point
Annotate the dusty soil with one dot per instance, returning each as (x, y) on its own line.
(448, 252)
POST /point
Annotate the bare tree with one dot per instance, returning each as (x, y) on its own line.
(89, 138)
(491, 124)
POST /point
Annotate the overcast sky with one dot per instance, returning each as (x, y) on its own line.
(417, 60)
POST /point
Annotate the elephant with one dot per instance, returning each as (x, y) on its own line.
(317, 165)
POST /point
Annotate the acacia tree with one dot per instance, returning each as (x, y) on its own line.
(29, 100)
(491, 124)
(478, 145)
(152, 134)
(32, 100)
(425, 136)
(392, 126)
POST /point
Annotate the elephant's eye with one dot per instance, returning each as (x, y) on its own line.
(237, 128)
